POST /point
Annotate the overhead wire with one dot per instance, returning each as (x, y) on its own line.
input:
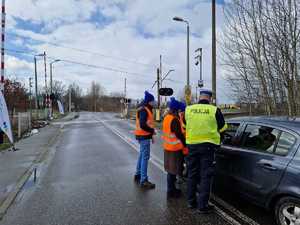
(84, 51)
(79, 63)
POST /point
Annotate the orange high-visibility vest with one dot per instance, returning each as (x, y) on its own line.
(171, 142)
(185, 150)
(150, 122)
(182, 123)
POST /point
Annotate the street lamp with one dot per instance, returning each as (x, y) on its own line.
(51, 65)
(179, 19)
(35, 78)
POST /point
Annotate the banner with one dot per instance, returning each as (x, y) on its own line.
(4, 119)
(60, 107)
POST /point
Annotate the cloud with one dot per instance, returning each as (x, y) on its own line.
(129, 30)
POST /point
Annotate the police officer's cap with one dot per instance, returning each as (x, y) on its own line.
(205, 92)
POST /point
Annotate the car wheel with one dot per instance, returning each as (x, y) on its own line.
(287, 211)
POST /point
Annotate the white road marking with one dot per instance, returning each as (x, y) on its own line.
(158, 163)
(76, 122)
(235, 211)
(155, 160)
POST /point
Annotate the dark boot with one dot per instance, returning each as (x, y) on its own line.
(176, 193)
(137, 178)
(206, 210)
(147, 185)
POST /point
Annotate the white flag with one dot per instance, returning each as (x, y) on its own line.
(60, 107)
(4, 119)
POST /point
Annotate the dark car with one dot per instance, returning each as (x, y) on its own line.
(260, 158)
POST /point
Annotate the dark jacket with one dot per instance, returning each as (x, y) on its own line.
(143, 117)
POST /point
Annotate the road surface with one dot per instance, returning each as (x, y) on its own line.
(88, 179)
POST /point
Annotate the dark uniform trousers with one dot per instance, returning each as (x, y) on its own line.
(201, 168)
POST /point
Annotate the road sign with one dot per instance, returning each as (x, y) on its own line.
(200, 83)
(165, 91)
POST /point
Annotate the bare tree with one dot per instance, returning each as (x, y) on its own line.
(260, 52)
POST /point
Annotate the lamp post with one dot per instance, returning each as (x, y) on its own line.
(188, 89)
(35, 78)
(51, 71)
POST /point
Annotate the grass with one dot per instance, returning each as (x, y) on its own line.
(5, 146)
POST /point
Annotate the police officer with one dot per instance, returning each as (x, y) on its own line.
(144, 134)
(204, 123)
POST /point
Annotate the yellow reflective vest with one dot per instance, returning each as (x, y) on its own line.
(201, 124)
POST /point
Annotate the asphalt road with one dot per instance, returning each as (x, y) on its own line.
(88, 179)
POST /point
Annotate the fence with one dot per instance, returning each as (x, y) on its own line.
(21, 123)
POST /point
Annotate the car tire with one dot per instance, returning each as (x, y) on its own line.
(287, 211)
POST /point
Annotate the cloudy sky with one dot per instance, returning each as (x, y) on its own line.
(117, 38)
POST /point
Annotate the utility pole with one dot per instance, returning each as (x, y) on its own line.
(160, 75)
(30, 96)
(125, 99)
(2, 45)
(36, 85)
(214, 75)
(70, 102)
(125, 89)
(45, 63)
(188, 56)
(158, 87)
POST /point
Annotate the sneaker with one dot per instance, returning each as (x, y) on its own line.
(137, 178)
(206, 210)
(174, 194)
(147, 185)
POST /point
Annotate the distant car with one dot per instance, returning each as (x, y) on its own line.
(260, 158)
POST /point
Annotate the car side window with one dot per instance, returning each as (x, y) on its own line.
(285, 143)
(260, 138)
(228, 136)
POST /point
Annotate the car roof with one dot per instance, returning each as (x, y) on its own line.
(282, 121)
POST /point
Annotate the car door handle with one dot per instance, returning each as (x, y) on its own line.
(267, 166)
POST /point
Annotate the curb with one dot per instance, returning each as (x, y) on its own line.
(23, 179)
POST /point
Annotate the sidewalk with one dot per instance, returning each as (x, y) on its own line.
(16, 167)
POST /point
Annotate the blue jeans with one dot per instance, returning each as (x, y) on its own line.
(144, 156)
(200, 162)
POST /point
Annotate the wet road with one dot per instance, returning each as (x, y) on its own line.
(87, 179)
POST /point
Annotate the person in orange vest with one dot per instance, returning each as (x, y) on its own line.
(173, 143)
(185, 149)
(182, 123)
(144, 134)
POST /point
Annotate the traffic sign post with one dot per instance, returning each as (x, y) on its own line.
(188, 95)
